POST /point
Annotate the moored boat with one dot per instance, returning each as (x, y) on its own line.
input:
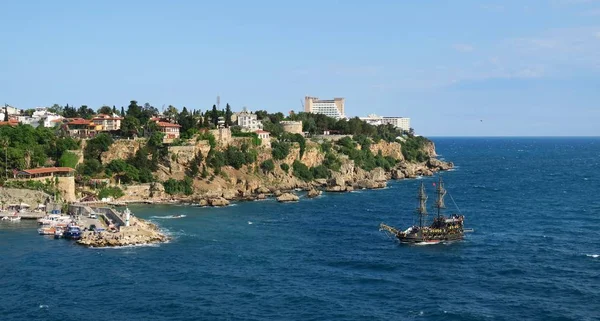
(73, 232)
(47, 230)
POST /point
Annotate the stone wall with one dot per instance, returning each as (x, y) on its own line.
(66, 187)
(223, 136)
(294, 127)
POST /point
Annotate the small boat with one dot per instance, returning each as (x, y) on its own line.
(58, 233)
(73, 232)
(441, 230)
(14, 218)
(5, 218)
(47, 230)
(178, 216)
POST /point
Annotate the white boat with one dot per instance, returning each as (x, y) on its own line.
(47, 230)
(14, 218)
(53, 219)
(5, 218)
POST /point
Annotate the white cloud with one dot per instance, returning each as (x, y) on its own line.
(598, 34)
(461, 47)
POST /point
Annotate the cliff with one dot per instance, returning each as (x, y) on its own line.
(250, 182)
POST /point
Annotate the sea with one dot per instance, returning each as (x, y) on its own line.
(534, 253)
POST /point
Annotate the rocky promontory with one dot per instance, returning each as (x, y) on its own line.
(140, 232)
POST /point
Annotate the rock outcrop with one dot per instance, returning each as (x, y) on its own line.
(140, 232)
(218, 202)
(312, 193)
(287, 197)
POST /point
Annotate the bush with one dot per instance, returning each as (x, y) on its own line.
(301, 171)
(114, 192)
(285, 167)
(320, 172)
(173, 186)
(280, 150)
(267, 166)
(332, 162)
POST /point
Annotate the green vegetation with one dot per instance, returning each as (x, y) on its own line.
(285, 167)
(280, 150)
(302, 171)
(320, 172)
(48, 186)
(114, 192)
(412, 149)
(184, 186)
(68, 159)
(267, 166)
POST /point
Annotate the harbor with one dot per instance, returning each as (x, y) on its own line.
(93, 226)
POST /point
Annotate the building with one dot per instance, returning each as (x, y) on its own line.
(40, 116)
(45, 172)
(402, 123)
(80, 128)
(293, 127)
(107, 122)
(11, 122)
(170, 130)
(248, 121)
(265, 138)
(333, 108)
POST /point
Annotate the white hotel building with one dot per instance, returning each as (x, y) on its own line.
(333, 108)
(398, 122)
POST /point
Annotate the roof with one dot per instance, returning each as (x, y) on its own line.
(105, 116)
(10, 122)
(260, 131)
(165, 124)
(45, 170)
(79, 121)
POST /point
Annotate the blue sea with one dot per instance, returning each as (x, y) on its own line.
(534, 255)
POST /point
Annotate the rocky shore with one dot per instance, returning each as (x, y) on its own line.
(141, 232)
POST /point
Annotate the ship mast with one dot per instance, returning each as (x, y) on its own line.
(441, 192)
(422, 209)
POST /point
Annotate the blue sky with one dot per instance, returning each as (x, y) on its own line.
(473, 68)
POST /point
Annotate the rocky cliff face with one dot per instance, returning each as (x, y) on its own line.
(122, 149)
(249, 182)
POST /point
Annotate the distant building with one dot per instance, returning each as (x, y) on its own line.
(248, 121)
(333, 108)
(293, 127)
(11, 122)
(79, 128)
(398, 122)
(105, 122)
(45, 172)
(170, 130)
(41, 116)
(265, 137)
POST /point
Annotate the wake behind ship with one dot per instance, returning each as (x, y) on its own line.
(442, 229)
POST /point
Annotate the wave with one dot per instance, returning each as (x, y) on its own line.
(169, 216)
(128, 246)
(593, 255)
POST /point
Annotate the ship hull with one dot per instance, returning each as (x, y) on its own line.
(417, 239)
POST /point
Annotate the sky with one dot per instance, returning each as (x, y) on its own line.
(456, 68)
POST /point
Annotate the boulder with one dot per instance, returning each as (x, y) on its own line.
(229, 194)
(263, 190)
(313, 193)
(397, 174)
(261, 196)
(277, 193)
(218, 202)
(287, 197)
(203, 202)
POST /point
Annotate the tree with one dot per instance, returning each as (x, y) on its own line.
(301, 171)
(5, 112)
(114, 110)
(134, 110)
(130, 126)
(122, 111)
(228, 115)
(56, 108)
(280, 150)
(68, 159)
(171, 112)
(267, 166)
(261, 114)
(97, 145)
(204, 173)
(205, 120)
(85, 112)
(214, 115)
(105, 110)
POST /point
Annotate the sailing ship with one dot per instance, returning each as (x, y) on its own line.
(441, 230)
